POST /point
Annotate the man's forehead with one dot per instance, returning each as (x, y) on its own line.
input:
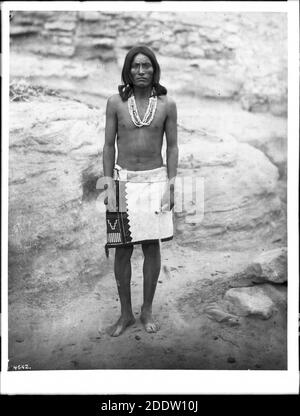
(141, 58)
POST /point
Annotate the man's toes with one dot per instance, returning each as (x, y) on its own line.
(119, 327)
(156, 326)
(149, 328)
(116, 333)
(112, 330)
(152, 327)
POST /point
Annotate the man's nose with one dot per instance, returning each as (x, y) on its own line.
(141, 69)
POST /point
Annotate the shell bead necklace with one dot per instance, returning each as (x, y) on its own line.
(149, 115)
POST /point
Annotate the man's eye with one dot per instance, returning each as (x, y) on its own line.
(145, 66)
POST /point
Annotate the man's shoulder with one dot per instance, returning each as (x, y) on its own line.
(170, 106)
(168, 101)
(114, 100)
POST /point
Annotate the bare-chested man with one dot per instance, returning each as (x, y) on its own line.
(139, 139)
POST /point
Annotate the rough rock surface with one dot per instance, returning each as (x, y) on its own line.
(90, 82)
(249, 301)
(270, 266)
(236, 193)
(223, 55)
(213, 311)
(54, 236)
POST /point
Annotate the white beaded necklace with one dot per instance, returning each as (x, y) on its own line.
(149, 115)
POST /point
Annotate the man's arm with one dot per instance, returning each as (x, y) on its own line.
(111, 124)
(171, 136)
(110, 136)
(172, 154)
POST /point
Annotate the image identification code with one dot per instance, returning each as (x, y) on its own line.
(151, 405)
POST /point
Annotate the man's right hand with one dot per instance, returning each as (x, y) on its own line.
(110, 200)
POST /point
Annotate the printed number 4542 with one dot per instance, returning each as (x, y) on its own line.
(21, 367)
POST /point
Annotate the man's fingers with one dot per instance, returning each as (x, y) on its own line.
(165, 207)
(110, 203)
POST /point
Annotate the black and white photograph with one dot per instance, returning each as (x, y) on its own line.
(147, 183)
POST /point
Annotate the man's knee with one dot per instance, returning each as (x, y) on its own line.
(151, 249)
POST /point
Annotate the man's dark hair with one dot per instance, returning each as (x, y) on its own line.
(126, 88)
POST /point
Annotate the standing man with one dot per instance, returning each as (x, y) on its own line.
(137, 119)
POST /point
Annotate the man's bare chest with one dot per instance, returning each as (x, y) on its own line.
(125, 121)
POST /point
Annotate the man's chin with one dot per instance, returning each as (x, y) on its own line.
(142, 84)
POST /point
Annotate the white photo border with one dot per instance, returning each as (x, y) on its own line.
(165, 381)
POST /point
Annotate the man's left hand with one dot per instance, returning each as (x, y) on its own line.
(167, 202)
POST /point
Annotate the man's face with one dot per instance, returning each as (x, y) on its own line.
(141, 71)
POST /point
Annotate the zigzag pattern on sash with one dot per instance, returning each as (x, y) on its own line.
(126, 221)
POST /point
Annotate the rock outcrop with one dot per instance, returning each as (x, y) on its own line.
(236, 203)
(54, 236)
(249, 301)
(239, 56)
(269, 266)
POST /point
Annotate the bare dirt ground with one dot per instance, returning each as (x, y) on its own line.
(66, 330)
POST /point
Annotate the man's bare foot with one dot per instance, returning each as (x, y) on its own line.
(119, 327)
(150, 324)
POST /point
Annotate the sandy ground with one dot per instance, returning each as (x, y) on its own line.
(66, 329)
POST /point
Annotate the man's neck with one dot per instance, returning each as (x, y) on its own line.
(142, 92)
